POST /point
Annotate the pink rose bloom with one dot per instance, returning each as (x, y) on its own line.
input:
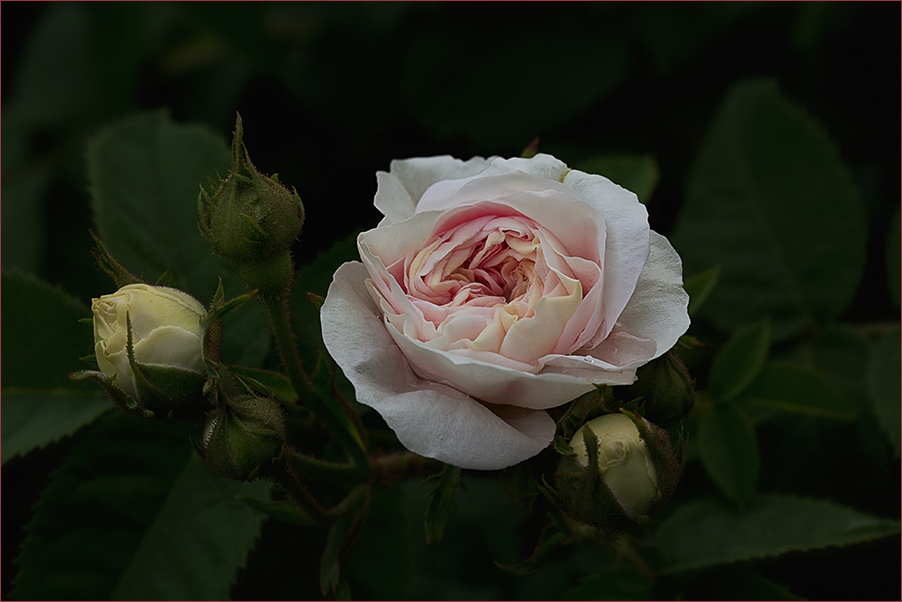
(493, 290)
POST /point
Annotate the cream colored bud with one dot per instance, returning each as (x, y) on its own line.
(623, 461)
(166, 332)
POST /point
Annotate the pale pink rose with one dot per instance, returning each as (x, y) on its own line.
(493, 290)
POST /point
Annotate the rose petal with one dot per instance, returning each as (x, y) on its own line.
(429, 418)
(658, 308)
(498, 384)
(415, 176)
(171, 346)
(589, 369)
(626, 247)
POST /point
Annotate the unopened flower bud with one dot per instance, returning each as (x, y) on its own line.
(244, 437)
(252, 220)
(150, 340)
(665, 388)
(623, 461)
(623, 469)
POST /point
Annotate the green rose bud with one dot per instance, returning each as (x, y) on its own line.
(244, 438)
(665, 388)
(252, 220)
(622, 470)
(150, 340)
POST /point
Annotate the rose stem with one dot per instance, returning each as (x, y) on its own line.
(281, 325)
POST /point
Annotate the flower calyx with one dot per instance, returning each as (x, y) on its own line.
(252, 220)
(244, 436)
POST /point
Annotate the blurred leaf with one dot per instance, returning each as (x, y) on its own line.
(728, 448)
(893, 269)
(619, 583)
(133, 513)
(772, 203)
(516, 99)
(32, 419)
(441, 503)
(883, 385)
(796, 388)
(54, 83)
(841, 352)
(699, 287)
(548, 550)
(23, 210)
(373, 573)
(740, 360)
(710, 532)
(145, 173)
(637, 173)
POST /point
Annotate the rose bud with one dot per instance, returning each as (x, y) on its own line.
(666, 390)
(244, 437)
(150, 340)
(252, 220)
(622, 471)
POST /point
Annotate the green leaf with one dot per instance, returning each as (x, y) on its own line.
(700, 286)
(796, 388)
(771, 202)
(133, 513)
(42, 343)
(200, 536)
(42, 336)
(710, 532)
(637, 173)
(32, 419)
(729, 451)
(282, 510)
(740, 360)
(441, 504)
(883, 385)
(145, 172)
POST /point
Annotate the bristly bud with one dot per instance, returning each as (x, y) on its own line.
(252, 220)
(244, 437)
(666, 390)
(623, 470)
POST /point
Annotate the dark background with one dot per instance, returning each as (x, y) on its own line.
(331, 93)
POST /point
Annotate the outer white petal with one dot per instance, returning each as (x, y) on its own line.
(429, 418)
(658, 309)
(626, 246)
(172, 346)
(542, 165)
(414, 176)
